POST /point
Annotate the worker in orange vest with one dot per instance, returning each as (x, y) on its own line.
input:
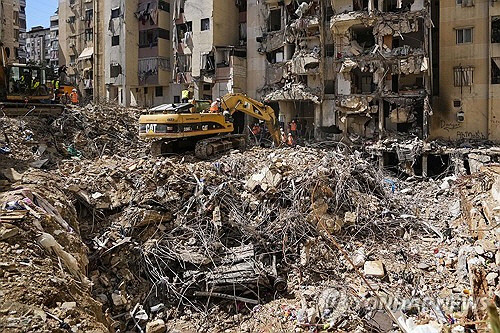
(293, 128)
(215, 106)
(74, 97)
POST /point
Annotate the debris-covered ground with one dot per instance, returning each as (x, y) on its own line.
(98, 236)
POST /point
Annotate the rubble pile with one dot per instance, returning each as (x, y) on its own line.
(90, 132)
(43, 262)
(303, 238)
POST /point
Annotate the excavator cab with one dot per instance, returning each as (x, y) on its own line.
(26, 82)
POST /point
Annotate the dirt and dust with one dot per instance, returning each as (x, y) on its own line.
(97, 236)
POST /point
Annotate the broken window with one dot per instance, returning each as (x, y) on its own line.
(464, 35)
(205, 24)
(495, 29)
(360, 5)
(223, 58)
(184, 62)
(275, 20)
(158, 91)
(495, 70)
(363, 36)
(115, 40)
(148, 38)
(89, 14)
(463, 76)
(275, 56)
(163, 5)
(115, 70)
(183, 28)
(207, 63)
(115, 13)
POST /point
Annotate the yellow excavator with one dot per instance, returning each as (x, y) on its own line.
(183, 126)
(25, 89)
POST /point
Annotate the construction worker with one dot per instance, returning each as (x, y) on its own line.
(215, 106)
(185, 96)
(293, 128)
(74, 97)
(290, 140)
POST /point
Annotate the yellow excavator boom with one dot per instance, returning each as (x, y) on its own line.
(240, 102)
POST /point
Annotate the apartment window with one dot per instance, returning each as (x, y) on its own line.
(457, 103)
(464, 35)
(459, 2)
(115, 13)
(89, 34)
(205, 24)
(159, 91)
(71, 2)
(163, 5)
(463, 76)
(275, 20)
(177, 99)
(89, 14)
(16, 35)
(115, 70)
(207, 87)
(145, 90)
(495, 29)
(495, 70)
(16, 17)
(148, 38)
(72, 59)
(115, 40)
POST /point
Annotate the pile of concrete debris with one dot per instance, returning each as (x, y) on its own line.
(304, 239)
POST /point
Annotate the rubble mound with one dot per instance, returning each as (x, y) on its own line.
(89, 132)
(43, 261)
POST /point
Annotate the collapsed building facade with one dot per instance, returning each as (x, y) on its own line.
(348, 70)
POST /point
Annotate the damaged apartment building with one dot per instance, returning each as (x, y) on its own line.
(209, 45)
(357, 70)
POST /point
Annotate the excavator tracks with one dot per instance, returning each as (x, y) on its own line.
(207, 148)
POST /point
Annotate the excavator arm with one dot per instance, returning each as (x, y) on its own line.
(240, 102)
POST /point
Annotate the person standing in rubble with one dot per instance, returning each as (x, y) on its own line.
(74, 97)
(293, 128)
(290, 141)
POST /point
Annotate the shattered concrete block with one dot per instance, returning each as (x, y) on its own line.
(491, 278)
(156, 326)
(68, 305)
(374, 268)
(7, 231)
(11, 174)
